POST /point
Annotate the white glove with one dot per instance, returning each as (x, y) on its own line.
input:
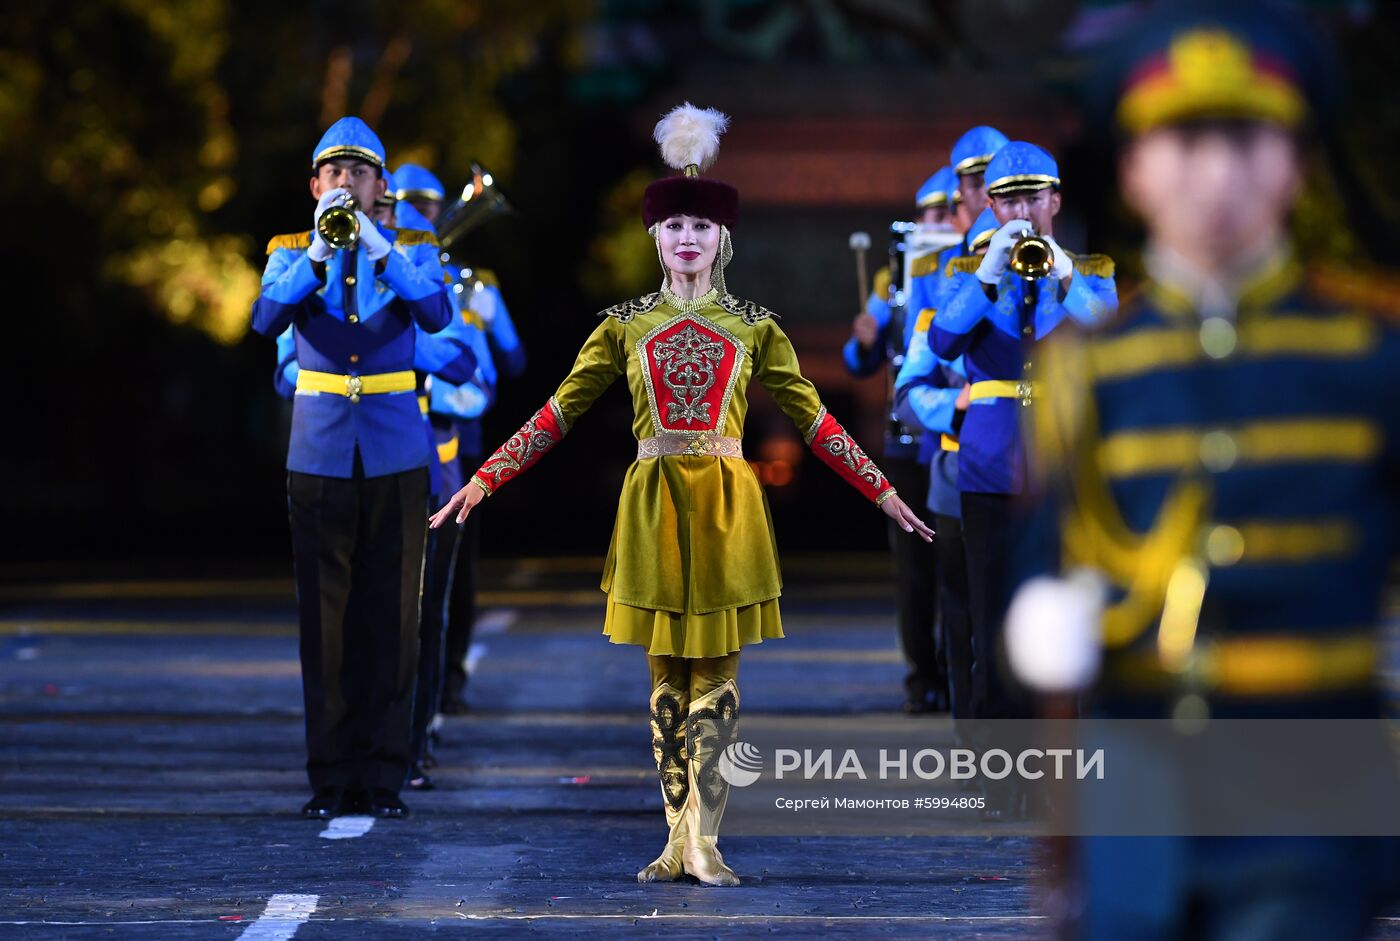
(1063, 266)
(319, 250)
(1054, 631)
(328, 199)
(376, 245)
(483, 303)
(999, 251)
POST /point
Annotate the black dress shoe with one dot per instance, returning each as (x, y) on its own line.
(418, 779)
(327, 803)
(358, 801)
(386, 803)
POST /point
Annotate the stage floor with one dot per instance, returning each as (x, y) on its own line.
(151, 772)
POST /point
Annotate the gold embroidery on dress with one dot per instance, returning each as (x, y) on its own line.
(841, 445)
(693, 304)
(816, 425)
(523, 448)
(625, 311)
(690, 406)
(688, 362)
(558, 415)
(748, 310)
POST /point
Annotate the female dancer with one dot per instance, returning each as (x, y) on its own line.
(692, 572)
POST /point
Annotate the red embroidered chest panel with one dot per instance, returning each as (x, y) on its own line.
(690, 366)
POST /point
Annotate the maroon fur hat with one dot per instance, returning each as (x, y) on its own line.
(689, 141)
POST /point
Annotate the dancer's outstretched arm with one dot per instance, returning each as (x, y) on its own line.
(776, 367)
(599, 363)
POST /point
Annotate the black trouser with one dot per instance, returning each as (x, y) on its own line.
(916, 578)
(437, 579)
(989, 538)
(358, 548)
(953, 613)
(461, 607)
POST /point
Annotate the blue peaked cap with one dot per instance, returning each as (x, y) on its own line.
(349, 137)
(937, 189)
(415, 181)
(1021, 167)
(976, 147)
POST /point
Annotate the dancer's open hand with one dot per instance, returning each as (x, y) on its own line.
(461, 504)
(897, 510)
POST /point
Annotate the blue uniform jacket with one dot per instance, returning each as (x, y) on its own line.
(997, 341)
(1293, 427)
(480, 301)
(926, 393)
(354, 317)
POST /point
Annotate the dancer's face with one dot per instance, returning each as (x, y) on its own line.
(689, 244)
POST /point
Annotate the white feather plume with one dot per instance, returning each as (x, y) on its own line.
(690, 135)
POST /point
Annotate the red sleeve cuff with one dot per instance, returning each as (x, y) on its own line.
(839, 451)
(542, 432)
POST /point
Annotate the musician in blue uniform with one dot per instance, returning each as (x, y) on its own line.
(877, 338)
(994, 319)
(481, 302)
(929, 394)
(969, 158)
(357, 477)
(1235, 428)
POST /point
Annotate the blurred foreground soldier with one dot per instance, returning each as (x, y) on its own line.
(878, 337)
(692, 574)
(1224, 456)
(357, 480)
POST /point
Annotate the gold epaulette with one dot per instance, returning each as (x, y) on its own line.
(415, 237)
(1377, 293)
(625, 311)
(963, 264)
(487, 277)
(926, 264)
(297, 241)
(882, 283)
(748, 310)
(1099, 266)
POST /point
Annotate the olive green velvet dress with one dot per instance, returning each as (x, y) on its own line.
(692, 569)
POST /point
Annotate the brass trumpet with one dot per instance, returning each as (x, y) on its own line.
(1031, 256)
(339, 225)
(480, 201)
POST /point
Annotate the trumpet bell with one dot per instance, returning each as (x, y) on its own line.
(1031, 257)
(480, 201)
(339, 225)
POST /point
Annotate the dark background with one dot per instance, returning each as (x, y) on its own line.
(151, 148)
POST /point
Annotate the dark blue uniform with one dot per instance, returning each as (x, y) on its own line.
(1270, 443)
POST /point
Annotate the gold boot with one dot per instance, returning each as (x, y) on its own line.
(710, 729)
(668, 748)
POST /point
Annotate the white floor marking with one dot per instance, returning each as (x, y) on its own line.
(496, 621)
(347, 828)
(474, 654)
(281, 919)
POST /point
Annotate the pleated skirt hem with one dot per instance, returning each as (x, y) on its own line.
(716, 634)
